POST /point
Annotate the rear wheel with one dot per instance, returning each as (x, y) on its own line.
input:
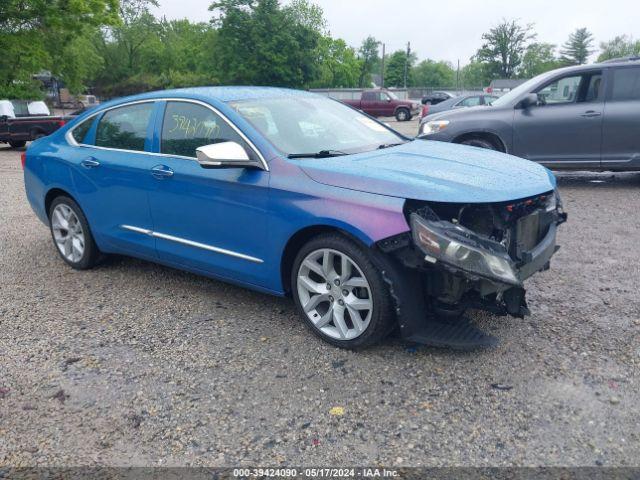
(403, 115)
(71, 234)
(480, 142)
(17, 144)
(340, 293)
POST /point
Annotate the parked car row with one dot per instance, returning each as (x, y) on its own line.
(584, 117)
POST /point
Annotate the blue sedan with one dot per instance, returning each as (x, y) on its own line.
(291, 193)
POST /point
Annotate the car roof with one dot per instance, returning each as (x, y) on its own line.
(221, 94)
(616, 62)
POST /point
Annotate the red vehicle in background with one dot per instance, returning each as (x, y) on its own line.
(382, 103)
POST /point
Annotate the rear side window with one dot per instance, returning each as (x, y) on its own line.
(125, 128)
(80, 132)
(187, 126)
(626, 84)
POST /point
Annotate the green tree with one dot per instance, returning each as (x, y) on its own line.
(430, 73)
(339, 66)
(39, 35)
(475, 75)
(394, 71)
(538, 58)
(261, 42)
(620, 46)
(578, 48)
(503, 48)
(369, 59)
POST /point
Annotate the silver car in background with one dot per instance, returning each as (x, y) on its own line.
(583, 117)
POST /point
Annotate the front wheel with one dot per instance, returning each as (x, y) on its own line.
(479, 142)
(71, 234)
(403, 115)
(340, 293)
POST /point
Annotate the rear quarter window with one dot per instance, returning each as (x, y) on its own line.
(80, 132)
(626, 84)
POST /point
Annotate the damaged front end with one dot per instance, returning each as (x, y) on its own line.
(477, 255)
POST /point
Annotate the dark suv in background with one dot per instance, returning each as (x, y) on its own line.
(584, 117)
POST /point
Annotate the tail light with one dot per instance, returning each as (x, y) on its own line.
(61, 123)
(23, 159)
(425, 110)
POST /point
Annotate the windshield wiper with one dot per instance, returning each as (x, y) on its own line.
(320, 154)
(389, 145)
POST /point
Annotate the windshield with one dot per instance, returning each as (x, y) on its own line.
(310, 124)
(526, 87)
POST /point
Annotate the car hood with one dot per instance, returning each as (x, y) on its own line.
(434, 171)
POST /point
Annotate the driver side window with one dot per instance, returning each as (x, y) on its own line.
(563, 90)
(572, 89)
(188, 126)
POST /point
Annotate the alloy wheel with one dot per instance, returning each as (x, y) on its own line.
(68, 233)
(334, 294)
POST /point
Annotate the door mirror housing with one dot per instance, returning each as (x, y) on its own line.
(223, 155)
(529, 100)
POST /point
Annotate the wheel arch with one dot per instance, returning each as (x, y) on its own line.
(304, 235)
(52, 194)
(485, 135)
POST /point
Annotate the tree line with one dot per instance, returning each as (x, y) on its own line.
(120, 47)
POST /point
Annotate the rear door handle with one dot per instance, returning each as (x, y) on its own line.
(591, 113)
(90, 163)
(161, 171)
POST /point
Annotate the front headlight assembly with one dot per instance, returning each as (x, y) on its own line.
(435, 126)
(462, 249)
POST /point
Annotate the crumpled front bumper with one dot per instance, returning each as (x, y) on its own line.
(538, 258)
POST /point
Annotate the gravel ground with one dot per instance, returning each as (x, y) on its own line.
(136, 364)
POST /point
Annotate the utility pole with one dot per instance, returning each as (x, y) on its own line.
(406, 64)
(458, 77)
(383, 55)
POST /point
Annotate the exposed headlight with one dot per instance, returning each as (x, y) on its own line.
(435, 126)
(554, 202)
(461, 248)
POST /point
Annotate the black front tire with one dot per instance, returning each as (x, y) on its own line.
(18, 144)
(382, 317)
(91, 255)
(403, 115)
(480, 142)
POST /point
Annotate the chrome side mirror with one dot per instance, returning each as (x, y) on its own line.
(223, 155)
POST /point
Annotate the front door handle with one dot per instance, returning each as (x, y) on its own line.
(161, 171)
(90, 163)
(591, 113)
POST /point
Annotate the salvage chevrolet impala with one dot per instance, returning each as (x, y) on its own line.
(291, 193)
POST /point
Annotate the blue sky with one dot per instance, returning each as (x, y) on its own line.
(451, 30)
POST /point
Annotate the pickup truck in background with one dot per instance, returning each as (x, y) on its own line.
(23, 121)
(382, 103)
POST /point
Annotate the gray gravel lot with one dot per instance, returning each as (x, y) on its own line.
(136, 364)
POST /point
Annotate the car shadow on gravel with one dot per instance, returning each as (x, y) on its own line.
(276, 309)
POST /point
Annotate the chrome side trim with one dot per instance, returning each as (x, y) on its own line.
(72, 141)
(191, 243)
(144, 231)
